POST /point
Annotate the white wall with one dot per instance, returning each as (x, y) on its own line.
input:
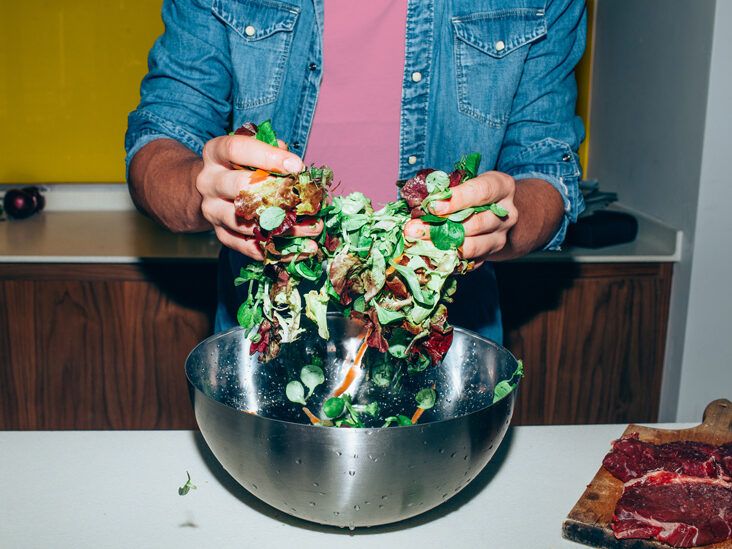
(650, 79)
(706, 371)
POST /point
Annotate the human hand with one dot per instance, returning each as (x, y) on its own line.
(219, 183)
(485, 233)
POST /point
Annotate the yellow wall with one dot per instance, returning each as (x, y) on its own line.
(584, 84)
(70, 72)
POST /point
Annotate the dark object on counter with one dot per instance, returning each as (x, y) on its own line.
(603, 228)
(22, 203)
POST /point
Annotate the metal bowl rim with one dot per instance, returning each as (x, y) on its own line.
(477, 336)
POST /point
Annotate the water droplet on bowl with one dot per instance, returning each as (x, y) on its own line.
(352, 473)
(336, 513)
(384, 497)
(316, 484)
(298, 461)
(312, 504)
(442, 450)
(356, 507)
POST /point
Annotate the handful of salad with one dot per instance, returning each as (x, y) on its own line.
(364, 266)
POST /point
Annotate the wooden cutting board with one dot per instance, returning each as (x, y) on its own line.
(589, 521)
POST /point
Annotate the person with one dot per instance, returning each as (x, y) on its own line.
(378, 90)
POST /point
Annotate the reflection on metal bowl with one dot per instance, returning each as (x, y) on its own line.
(349, 477)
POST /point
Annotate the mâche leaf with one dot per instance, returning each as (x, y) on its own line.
(311, 376)
(469, 163)
(187, 487)
(295, 392)
(426, 398)
(449, 235)
(498, 210)
(266, 134)
(333, 407)
(271, 218)
(437, 181)
(249, 313)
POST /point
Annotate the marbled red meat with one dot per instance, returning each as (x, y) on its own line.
(632, 458)
(681, 510)
(724, 456)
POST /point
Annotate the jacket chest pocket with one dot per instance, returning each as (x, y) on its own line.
(490, 49)
(260, 35)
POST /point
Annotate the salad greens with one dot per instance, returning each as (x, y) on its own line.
(363, 266)
(187, 487)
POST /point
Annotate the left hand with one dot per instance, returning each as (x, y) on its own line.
(485, 233)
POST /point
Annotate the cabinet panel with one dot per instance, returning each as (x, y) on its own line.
(592, 338)
(101, 352)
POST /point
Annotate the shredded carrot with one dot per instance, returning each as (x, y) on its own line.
(390, 269)
(312, 417)
(353, 370)
(417, 414)
(350, 376)
(258, 176)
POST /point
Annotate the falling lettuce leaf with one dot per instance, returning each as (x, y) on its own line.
(316, 309)
(504, 387)
(187, 487)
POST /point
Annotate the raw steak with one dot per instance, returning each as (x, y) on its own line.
(681, 510)
(724, 456)
(632, 458)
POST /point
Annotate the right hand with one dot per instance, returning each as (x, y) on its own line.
(219, 184)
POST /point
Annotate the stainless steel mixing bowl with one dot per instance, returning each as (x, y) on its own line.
(349, 477)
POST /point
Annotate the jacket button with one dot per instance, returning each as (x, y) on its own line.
(250, 31)
(296, 145)
(567, 157)
(416, 76)
(312, 66)
(412, 159)
(500, 45)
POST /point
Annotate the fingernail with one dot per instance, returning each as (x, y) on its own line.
(414, 230)
(439, 207)
(292, 164)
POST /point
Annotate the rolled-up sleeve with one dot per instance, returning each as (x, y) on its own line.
(186, 94)
(543, 132)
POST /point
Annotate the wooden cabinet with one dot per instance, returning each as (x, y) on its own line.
(100, 346)
(592, 337)
(95, 346)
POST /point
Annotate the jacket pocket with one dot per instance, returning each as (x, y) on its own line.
(260, 34)
(490, 49)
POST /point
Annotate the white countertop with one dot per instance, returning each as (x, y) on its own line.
(126, 236)
(119, 489)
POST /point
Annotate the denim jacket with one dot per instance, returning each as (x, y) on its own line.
(494, 76)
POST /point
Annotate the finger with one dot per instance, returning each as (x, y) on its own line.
(416, 230)
(482, 223)
(307, 227)
(248, 151)
(484, 189)
(238, 243)
(221, 212)
(478, 247)
(230, 183)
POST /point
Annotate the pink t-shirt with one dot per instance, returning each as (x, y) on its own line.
(356, 123)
